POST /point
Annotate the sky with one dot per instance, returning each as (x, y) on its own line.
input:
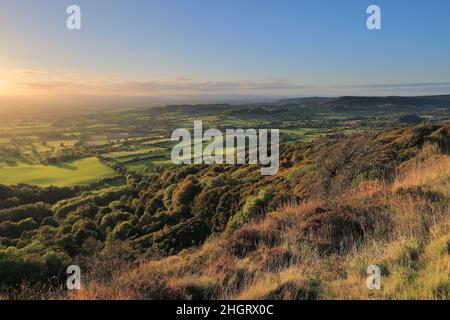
(168, 50)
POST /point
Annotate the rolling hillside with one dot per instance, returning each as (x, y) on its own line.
(336, 206)
(382, 201)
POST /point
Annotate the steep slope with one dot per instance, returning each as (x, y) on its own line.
(335, 208)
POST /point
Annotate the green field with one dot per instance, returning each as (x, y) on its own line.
(122, 154)
(149, 163)
(64, 174)
(57, 143)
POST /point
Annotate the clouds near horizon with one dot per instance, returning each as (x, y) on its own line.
(166, 50)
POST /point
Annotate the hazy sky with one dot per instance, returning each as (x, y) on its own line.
(221, 48)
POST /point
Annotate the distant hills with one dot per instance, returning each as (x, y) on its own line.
(352, 101)
(344, 102)
(419, 101)
(406, 109)
(307, 100)
(358, 104)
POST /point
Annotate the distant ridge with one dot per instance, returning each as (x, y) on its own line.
(418, 101)
(355, 103)
(307, 100)
(351, 101)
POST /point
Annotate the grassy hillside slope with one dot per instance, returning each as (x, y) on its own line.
(336, 207)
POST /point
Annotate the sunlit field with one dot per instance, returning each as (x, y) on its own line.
(62, 174)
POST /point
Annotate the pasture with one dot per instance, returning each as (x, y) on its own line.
(64, 174)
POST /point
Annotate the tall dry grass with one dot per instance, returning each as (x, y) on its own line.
(297, 251)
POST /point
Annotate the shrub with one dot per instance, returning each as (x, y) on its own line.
(110, 220)
(168, 196)
(49, 221)
(186, 191)
(254, 207)
(124, 230)
(206, 203)
(14, 230)
(243, 241)
(37, 211)
(15, 268)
